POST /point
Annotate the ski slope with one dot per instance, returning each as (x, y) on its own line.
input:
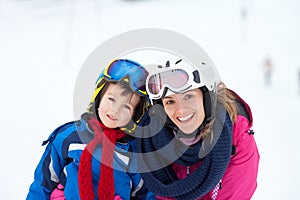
(43, 45)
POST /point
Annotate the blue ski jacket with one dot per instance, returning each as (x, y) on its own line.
(60, 161)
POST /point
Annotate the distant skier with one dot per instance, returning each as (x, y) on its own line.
(299, 79)
(268, 71)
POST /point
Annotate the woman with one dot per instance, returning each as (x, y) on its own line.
(205, 148)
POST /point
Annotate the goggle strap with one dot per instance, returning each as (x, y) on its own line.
(94, 96)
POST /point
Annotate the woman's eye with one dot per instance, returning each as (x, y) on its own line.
(188, 96)
(169, 102)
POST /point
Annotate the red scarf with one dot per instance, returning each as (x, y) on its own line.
(107, 137)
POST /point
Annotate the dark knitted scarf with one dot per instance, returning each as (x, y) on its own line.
(107, 137)
(160, 150)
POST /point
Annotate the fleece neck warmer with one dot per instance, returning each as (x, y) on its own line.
(155, 162)
(107, 137)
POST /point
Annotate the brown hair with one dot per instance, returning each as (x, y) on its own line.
(227, 99)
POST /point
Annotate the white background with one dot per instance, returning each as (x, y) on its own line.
(44, 43)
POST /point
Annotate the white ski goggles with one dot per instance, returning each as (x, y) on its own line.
(177, 80)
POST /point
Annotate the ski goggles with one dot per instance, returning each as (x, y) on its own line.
(127, 70)
(177, 80)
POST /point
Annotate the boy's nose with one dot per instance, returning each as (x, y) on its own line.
(115, 108)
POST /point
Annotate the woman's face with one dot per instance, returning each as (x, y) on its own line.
(185, 110)
(116, 110)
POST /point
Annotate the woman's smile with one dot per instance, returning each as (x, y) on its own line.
(186, 118)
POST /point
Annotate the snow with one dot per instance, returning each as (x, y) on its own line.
(44, 44)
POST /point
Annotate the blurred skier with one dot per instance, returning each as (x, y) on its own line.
(299, 79)
(268, 71)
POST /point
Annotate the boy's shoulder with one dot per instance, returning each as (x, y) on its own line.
(62, 130)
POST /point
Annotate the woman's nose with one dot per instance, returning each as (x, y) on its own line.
(180, 106)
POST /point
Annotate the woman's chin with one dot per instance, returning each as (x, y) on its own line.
(188, 131)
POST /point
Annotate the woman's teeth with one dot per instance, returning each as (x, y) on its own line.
(185, 118)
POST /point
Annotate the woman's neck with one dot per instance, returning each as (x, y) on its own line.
(187, 139)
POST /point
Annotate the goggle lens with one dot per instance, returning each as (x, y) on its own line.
(137, 75)
(174, 79)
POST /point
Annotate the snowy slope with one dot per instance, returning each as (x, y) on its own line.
(44, 43)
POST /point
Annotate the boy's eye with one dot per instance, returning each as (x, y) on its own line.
(127, 107)
(111, 99)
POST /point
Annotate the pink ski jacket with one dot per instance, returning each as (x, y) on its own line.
(239, 181)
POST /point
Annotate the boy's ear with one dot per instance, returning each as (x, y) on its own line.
(86, 116)
(158, 111)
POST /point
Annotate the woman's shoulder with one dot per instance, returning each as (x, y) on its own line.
(242, 128)
(243, 108)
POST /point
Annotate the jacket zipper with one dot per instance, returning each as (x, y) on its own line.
(187, 170)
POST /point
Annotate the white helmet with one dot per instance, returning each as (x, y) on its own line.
(177, 75)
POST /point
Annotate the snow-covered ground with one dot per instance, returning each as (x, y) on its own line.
(44, 43)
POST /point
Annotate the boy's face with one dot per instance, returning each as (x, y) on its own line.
(116, 110)
(186, 110)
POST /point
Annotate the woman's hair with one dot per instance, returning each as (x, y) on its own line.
(228, 101)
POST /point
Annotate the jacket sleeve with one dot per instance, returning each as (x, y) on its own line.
(48, 170)
(239, 180)
(139, 189)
